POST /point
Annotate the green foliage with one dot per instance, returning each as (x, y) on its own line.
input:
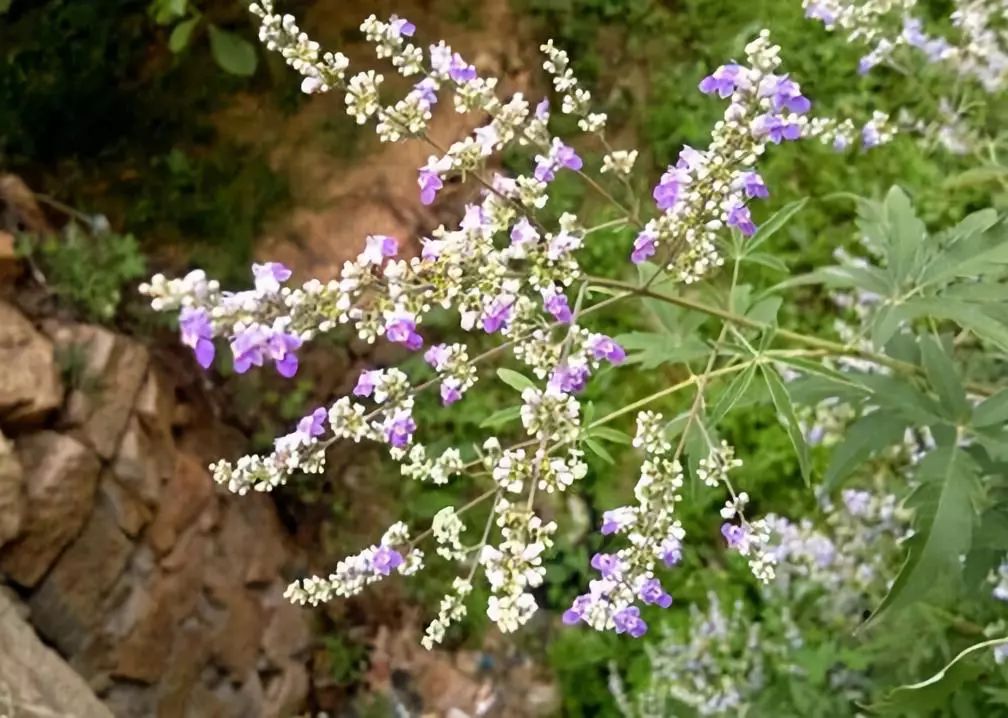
(87, 271)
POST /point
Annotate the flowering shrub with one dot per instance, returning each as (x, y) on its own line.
(892, 386)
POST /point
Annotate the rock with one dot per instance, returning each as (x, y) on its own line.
(236, 640)
(70, 603)
(185, 496)
(114, 368)
(155, 408)
(60, 478)
(285, 692)
(10, 263)
(29, 383)
(12, 499)
(135, 464)
(288, 634)
(130, 512)
(34, 680)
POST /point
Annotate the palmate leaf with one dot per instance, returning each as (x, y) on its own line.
(905, 232)
(944, 518)
(869, 434)
(974, 317)
(785, 410)
(943, 377)
(651, 349)
(993, 411)
(770, 227)
(931, 694)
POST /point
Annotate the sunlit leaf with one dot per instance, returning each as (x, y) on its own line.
(516, 380)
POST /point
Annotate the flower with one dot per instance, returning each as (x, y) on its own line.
(606, 564)
(450, 392)
(603, 347)
(496, 315)
(644, 246)
(400, 27)
(460, 71)
(558, 307)
(560, 156)
(523, 233)
(784, 94)
(721, 81)
(197, 334)
(653, 593)
(399, 429)
(254, 344)
(753, 186)
(666, 192)
(312, 425)
(569, 379)
(401, 329)
(377, 247)
(429, 178)
(437, 356)
(385, 560)
(366, 382)
(269, 276)
(628, 620)
(739, 218)
(734, 534)
(577, 610)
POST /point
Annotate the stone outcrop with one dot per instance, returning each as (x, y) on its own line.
(161, 590)
(29, 383)
(34, 679)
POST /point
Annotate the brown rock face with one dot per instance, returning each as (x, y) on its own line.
(113, 368)
(10, 264)
(34, 680)
(70, 603)
(12, 499)
(29, 382)
(60, 478)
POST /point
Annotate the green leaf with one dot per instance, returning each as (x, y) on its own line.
(930, 694)
(609, 434)
(943, 377)
(5, 6)
(822, 382)
(906, 233)
(968, 316)
(232, 53)
(970, 256)
(774, 223)
(993, 411)
(767, 260)
(182, 34)
(871, 279)
(501, 417)
(765, 310)
(976, 176)
(599, 451)
(650, 349)
(870, 433)
(902, 397)
(782, 402)
(517, 381)
(166, 11)
(734, 391)
(943, 527)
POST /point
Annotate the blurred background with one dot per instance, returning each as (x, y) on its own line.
(142, 136)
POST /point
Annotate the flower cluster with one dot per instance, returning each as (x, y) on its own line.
(707, 190)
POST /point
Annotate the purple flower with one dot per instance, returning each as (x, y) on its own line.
(866, 63)
(671, 551)
(197, 334)
(497, 315)
(606, 564)
(722, 81)
(569, 379)
(775, 129)
(429, 178)
(460, 71)
(312, 425)
(815, 434)
(603, 347)
(617, 520)
(366, 382)
(870, 135)
(542, 110)
(784, 94)
(644, 246)
(560, 156)
(653, 594)
(437, 356)
(426, 89)
(385, 560)
(739, 218)
(558, 307)
(399, 429)
(577, 610)
(450, 392)
(753, 186)
(666, 192)
(689, 158)
(401, 329)
(400, 26)
(733, 534)
(523, 233)
(628, 620)
(815, 11)
(857, 502)
(252, 346)
(269, 276)
(377, 247)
